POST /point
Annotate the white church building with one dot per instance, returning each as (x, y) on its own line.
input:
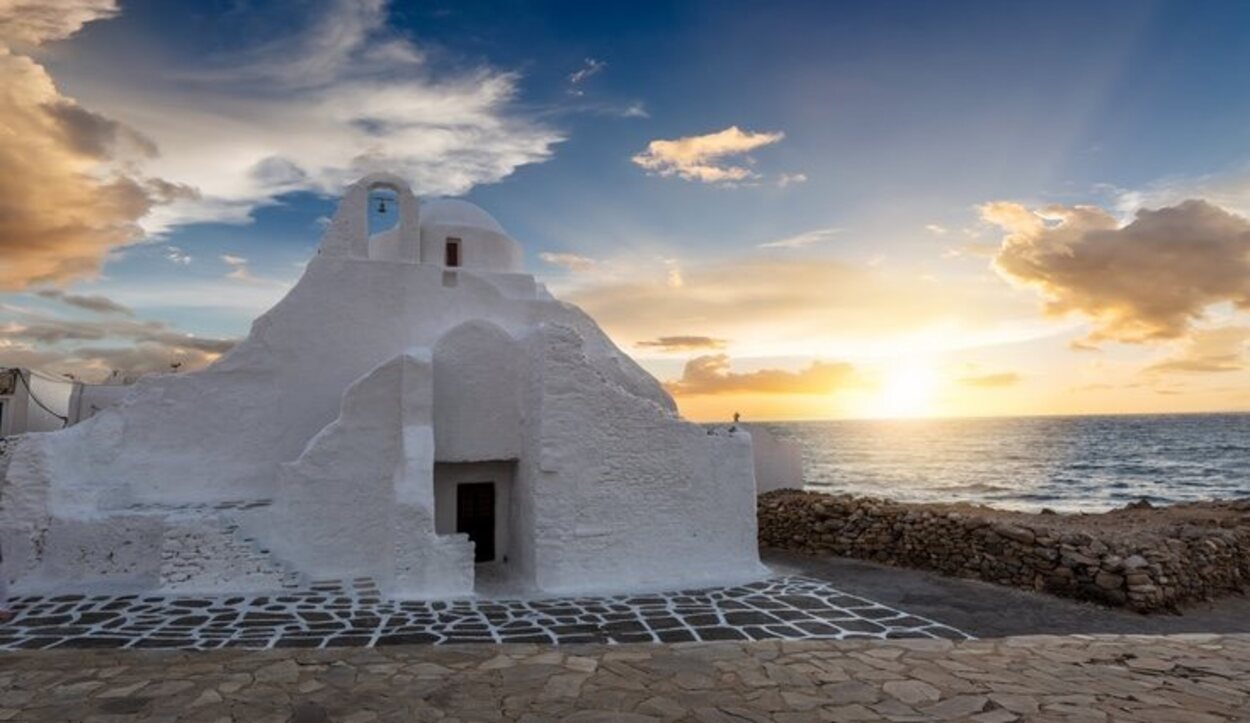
(417, 410)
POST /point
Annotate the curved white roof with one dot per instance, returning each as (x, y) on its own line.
(454, 212)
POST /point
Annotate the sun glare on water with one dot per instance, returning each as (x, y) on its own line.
(908, 391)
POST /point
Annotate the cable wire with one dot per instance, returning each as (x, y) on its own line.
(64, 419)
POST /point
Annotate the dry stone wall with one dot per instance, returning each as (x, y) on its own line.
(1144, 559)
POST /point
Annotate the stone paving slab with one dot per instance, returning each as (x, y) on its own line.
(354, 614)
(1191, 678)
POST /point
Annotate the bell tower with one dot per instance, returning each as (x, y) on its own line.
(348, 234)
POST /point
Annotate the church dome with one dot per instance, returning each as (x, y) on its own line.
(456, 233)
(455, 212)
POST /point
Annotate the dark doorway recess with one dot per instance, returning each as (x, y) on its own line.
(475, 516)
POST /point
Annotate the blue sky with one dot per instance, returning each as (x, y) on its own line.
(922, 109)
(876, 134)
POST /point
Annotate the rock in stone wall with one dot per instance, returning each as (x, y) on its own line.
(206, 554)
(1156, 560)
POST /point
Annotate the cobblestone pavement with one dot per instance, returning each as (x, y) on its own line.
(354, 614)
(1191, 678)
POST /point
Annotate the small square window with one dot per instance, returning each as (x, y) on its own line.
(452, 257)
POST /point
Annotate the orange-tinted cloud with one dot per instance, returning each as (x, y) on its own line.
(90, 302)
(1148, 280)
(683, 343)
(711, 374)
(571, 262)
(791, 304)
(93, 350)
(34, 22)
(66, 197)
(1209, 350)
(702, 158)
(336, 95)
(96, 364)
(52, 330)
(990, 381)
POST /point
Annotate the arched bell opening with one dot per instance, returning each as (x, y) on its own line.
(391, 222)
(382, 209)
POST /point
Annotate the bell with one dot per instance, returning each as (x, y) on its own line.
(381, 205)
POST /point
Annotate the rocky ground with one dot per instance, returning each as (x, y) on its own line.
(1083, 678)
(1147, 559)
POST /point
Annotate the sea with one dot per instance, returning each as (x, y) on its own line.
(1067, 464)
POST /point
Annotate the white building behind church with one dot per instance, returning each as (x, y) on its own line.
(31, 401)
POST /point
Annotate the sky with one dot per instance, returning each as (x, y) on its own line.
(791, 210)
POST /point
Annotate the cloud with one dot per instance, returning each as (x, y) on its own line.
(52, 330)
(98, 304)
(1147, 280)
(807, 238)
(610, 109)
(23, 355)
(711, 374)
(980, 250)
(35, 22)
(338, 98)
(936, 229)
(673, 277)
(238, 268)
(241, 271)
(635, 110)
(93, 350)
(796, 304)
(97, 364)
(335, 96)
(69, 191)
(991, 381)
(790, 179)
(333, 39)
(177, 256)
(590, 67)
(571, 262)
(701, 158)
(1229, 190)
(1220, 349)
(95, 136)
(683, 343)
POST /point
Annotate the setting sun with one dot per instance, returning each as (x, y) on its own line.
(908, 391)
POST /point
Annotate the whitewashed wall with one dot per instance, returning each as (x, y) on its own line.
(778, 463)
